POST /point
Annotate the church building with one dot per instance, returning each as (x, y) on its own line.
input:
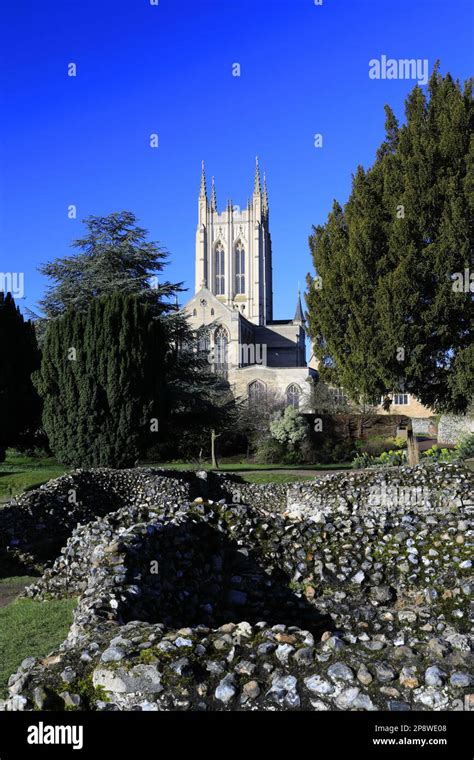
(233, 300)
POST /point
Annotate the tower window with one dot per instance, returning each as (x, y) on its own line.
(220, 270)
(293, 393)
(239, 269)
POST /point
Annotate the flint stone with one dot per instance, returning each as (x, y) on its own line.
(226, 689)
(460, 680)
(318, 685)
(140, 678)
(112, 655)
(251, 690)
(283, 690)
(340, 672)
(434, 676)
(304, 656)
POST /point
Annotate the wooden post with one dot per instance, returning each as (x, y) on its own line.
(214, 461)
(413, 455)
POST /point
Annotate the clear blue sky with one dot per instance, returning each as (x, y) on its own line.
(167, 69)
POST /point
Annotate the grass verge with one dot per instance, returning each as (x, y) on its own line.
(238, 466)
(274, 477)
(19, 473)
(30, 628)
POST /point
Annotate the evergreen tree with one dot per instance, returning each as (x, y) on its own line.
(20, 406)
(388, 316)
(114, 256)
(101, 381)
(200, 405)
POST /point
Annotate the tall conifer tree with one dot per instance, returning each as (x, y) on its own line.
(101, 380)
(388, 315)
(20, 406)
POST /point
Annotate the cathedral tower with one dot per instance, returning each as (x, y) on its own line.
(234, 252)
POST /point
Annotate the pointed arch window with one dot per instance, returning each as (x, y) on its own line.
(239, 268)
(221, 344)
(293, 394)
(203, 341)
(257, 391)
(219, 262)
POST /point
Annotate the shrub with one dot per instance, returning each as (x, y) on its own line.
(361, 461)
(394, 458)
(378, 445)
(269, 451)
(289, 428)
(465, 448)
(398, 442)
(342, 452)
(436, 454)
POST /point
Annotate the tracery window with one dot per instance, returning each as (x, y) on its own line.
(221, 344)
(239, 268)
(220, 270)
(293, 393)
(257, 391)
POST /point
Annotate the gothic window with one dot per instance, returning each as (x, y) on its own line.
(221, 344)
(220, 270)
(257, 391)
(239, 269)
(212, 312)
(293, 393)
(203, 341)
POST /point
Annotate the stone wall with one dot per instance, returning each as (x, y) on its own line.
(35, 526)
(453, 428)
(425, 425)
(350, 594)
(422, 489)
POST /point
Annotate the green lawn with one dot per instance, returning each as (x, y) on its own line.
(238, 466)
(12, 586)
(274, 477)
(250, 472)
(30, 628)
(21, 473)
